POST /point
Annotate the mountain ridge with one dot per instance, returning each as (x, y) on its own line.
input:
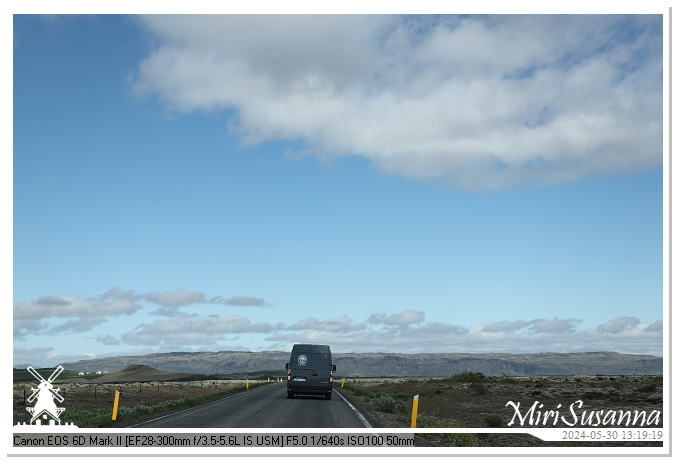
(392, 364)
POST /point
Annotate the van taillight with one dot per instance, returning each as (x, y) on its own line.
(330, 377)
(288, 375)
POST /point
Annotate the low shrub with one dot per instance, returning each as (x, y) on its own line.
(385, 403)
(467, 377)
(479, 387)
(494, 421)
(460, 439)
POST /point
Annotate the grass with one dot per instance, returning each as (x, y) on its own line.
(409, 396)
(477, 381)
(466, 377)
(103, 417)
(494, 421)
(460, 439)
(362, 392)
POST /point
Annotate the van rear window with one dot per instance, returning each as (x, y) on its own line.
(322, 359)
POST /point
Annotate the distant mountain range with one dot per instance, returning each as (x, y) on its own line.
(391, 364)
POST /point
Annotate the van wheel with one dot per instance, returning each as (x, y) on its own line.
(328, 397)
(290, 395)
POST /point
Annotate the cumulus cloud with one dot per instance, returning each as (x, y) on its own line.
(239, 301)
(655, 326)
(52, 315)
(78, 325)
(168, 312)
(192, 330)
(505, 326)
(339, 324)
(619, 324)
(83, 313)
(478, 103)
(553, 326)
(539, 335)
(175, 298)
(108, 340)
(403, 318)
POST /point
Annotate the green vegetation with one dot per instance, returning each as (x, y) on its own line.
(479, 387)
(409, 396)
(656, 379)
(415, 381)
(477, 381)
(362, 392)
(385, 403)
(103, 417)
(460, 439)
(494, 421)
(466, 377)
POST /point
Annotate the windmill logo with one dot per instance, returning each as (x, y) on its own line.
(45, 407)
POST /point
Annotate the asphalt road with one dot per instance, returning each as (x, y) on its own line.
(266, 407)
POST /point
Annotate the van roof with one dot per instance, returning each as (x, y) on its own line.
(311, 348)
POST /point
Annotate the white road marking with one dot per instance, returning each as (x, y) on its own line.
(360, 416)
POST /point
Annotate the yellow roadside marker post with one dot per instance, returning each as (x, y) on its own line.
(413, 422)
(342, 384)
(247, 384)
(115, 406)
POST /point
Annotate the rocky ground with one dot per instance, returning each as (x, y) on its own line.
(481, 402)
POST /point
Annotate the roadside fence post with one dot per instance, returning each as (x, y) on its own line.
(413, 422)
(115, 406)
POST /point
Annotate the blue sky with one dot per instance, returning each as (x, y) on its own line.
(382, 183)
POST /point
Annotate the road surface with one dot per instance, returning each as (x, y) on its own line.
(266, 407)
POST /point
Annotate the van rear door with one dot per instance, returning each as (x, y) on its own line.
(300, 368)
(322, 367)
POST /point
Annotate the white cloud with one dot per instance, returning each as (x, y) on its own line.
(619, 324)
(339, 324)
(192, 330)
(553, 326)
(78, 325)
(475, 103)
(84, 313)
(108, 340)
(405, 318)
(72, 306)
(239, 301)
(176, 298)
(505, 326)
